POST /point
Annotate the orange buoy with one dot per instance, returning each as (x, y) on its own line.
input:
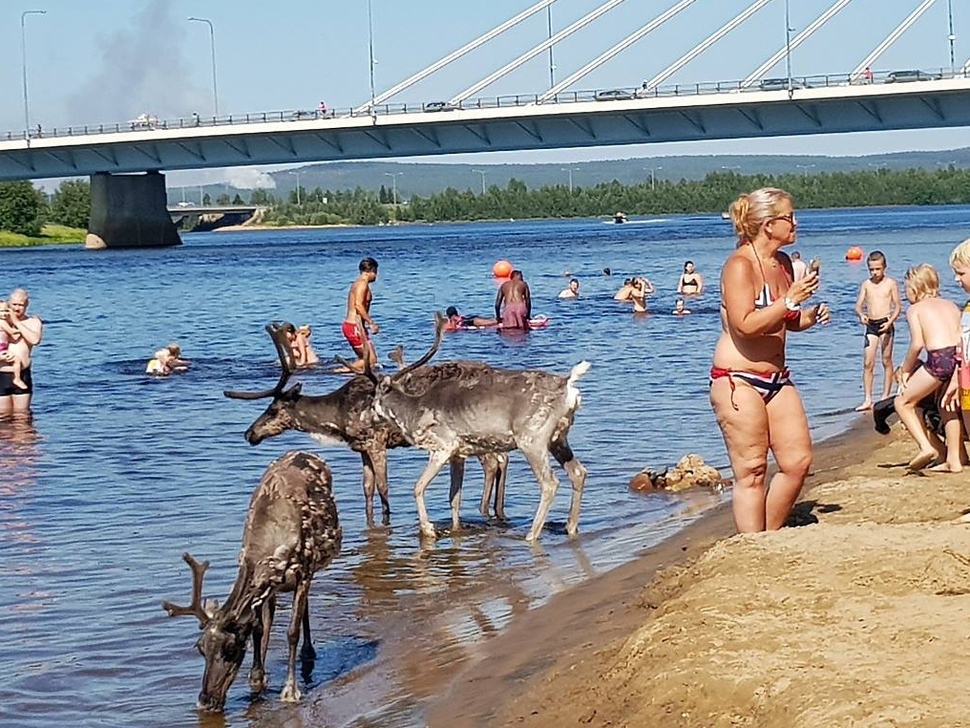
(502, 269)
(853, 253)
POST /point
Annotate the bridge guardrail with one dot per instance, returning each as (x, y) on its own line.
(146, 122)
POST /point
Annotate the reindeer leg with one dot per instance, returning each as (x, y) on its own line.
(307, 653)
(491, 474)
(379, 461)
(367, 462)
(577, 477)
(454, 496)
(436, 461)
(291, 691)
(502, 471)
(261, 628)
(538, 459)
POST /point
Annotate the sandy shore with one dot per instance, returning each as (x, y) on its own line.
(858, 617)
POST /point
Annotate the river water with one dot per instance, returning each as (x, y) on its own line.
(119, 474)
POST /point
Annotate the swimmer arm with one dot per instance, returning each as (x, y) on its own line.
(680, 284)
(860, 302)
(915, 342)
(499, 297)
(528, 303)
(31, 329)
(700, 284)
(895, 305)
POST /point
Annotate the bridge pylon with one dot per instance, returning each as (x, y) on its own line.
(129, 211)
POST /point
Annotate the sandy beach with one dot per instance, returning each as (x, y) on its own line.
(856, 617)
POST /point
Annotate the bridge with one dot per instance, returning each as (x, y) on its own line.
(125, 160)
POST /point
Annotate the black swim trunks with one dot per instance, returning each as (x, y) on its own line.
(6, 383)
(872, 329)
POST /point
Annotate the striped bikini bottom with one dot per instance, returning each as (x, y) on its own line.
(767, 384)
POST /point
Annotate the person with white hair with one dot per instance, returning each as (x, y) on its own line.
(15, 398)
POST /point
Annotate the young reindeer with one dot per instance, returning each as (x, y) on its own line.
(471, 408)
(346, 416)
(291, 532)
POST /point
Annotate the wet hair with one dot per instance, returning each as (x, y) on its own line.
(289, 328)
(367, 265)
(627, 281)
(796, 255)
(607, 272)
(687, 263)
(574, 280)
(961, 254)
(516, 274)
(451, 311)
(174, 349)
(749, 212)
(877, 256)
(923, 281)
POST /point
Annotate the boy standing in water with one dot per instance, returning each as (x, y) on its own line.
(878, 307)
(358, 320)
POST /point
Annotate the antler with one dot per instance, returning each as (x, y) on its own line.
(195, 608)
(396, 355)
(277, 332)
(439, 327)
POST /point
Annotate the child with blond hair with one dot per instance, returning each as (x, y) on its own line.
(8, 335)
(934, 326)
(960, 385)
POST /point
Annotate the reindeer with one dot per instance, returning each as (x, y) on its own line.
(346, 416)
(291, 532)
(470, 408)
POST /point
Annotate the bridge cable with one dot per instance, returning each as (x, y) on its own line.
(615, 50)
(866, 62)
(455, 55)
(795, 42)
(705, 44)
(528, 55)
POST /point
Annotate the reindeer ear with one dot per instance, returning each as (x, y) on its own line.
(210, 607)
(294, 390)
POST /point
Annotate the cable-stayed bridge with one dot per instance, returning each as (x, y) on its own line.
(769, 101)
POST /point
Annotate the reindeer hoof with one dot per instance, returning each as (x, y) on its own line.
(291, 693)
(427, 531)
(257, 681)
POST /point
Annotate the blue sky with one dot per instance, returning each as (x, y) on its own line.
(109, 60)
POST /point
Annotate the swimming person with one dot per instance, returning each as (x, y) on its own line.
(877, 306)
(167, 361)
(756, 404)
(571, 291)
(513, 303)
(456, 321)
(31, 330)
(934, 326)
(691, 282)
(679, 308)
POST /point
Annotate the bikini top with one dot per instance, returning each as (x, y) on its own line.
(684, 281)
(765, 299)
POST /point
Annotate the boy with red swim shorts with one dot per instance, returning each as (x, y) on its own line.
(358, 320)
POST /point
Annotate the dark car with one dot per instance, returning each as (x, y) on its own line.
(440, 106)
(616, 94)
(780, 84)
(912, 75)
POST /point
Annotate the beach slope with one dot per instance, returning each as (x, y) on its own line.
(858, 617)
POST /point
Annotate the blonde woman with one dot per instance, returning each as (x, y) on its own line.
(934, 326)
(754, 400)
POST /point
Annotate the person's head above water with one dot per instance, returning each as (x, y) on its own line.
(451, 311)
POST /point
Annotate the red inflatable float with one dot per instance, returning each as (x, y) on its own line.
(502, 269)
(854, 253)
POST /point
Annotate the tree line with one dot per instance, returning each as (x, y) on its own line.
(25, 209)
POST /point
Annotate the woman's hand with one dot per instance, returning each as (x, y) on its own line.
(801, 290)
(820, 314)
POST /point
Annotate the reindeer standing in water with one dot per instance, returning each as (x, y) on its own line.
(291, 532)
(346, 416)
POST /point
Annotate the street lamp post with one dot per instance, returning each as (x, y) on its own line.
(570, 171)
(298, 198)
(393, 176)
(951, 37)
(653, 178)
(23, 56)
(212, 46)
(370, 51)
(481, 172)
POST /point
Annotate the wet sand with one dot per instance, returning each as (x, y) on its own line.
(857, 618)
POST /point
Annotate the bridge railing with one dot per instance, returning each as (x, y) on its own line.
(147, 122)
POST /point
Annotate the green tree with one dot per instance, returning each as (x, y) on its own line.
(71, 205)
(22, 208)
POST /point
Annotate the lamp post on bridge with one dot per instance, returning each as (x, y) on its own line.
(393, 176)
(212, 46)
(23, 56)
(481, 172)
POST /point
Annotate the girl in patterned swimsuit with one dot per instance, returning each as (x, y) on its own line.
(934, 325)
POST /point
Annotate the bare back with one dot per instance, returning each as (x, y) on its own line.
(936, 321)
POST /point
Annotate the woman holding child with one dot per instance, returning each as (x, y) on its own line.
(754, 399)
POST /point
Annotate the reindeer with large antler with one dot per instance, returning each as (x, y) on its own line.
(471, 408)
(346, 416)
(291, 532)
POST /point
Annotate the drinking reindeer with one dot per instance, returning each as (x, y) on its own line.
(291, 532)
(346, 416)
(471, 408)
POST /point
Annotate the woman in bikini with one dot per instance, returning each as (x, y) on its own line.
(691, 283)
(756, 405)
(934, 326)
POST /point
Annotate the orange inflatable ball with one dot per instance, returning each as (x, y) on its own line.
(502, 269)
(854, 253)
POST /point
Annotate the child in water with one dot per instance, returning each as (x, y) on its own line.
(166, 361)
(934, 326)
(679, 309)
(8, 336)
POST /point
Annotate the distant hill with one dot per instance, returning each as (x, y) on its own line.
(414, 178)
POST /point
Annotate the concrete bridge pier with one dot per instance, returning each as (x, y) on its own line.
(129, 211)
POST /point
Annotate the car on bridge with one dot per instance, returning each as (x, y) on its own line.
(615, 94)
(780, 84)
(911, 75)
(440, 106)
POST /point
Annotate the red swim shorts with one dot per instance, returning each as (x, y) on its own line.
(352, 332)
